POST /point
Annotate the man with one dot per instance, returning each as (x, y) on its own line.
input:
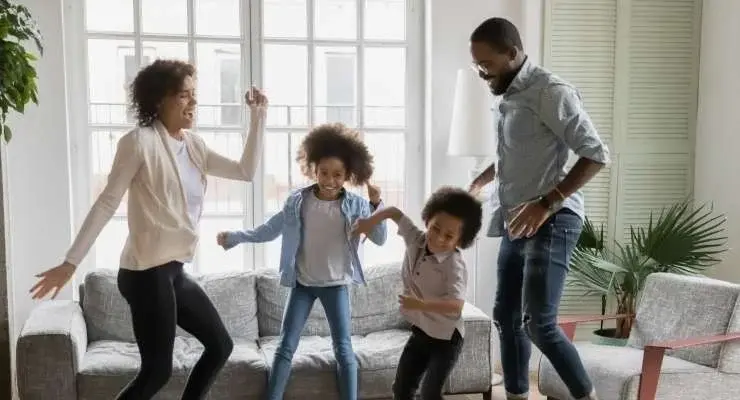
(540, 207)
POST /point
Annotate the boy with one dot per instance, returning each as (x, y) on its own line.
(435, 282)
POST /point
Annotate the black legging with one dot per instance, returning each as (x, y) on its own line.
(161, 298)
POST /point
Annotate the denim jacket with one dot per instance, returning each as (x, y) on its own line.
(288, 223)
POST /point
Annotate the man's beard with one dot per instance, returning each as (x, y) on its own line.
(499, 86)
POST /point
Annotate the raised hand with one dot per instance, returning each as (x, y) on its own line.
(256, 99)
(373, 193)
(221, 238)
(363, 226)
(52, 280)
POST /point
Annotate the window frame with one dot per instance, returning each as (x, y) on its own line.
(251, 42)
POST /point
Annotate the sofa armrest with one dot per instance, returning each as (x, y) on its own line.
(652, 359)
(474, 367)
(569, 324)
(49, 351)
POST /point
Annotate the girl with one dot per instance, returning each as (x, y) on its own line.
(319, 256)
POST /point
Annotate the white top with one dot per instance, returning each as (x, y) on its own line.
(323, 258)
(191, 178)
(158, 219)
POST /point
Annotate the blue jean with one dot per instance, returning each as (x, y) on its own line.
(531, 276)
(335, 300)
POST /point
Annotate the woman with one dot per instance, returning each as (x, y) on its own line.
(163, 167)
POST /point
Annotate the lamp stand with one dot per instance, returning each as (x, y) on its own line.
(480, 166)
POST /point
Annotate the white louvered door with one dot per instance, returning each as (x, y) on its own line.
(635, 63)
(657, 143)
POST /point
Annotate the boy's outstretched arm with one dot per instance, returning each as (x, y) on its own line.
(266, 232)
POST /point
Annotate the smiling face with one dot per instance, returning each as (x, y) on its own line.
(443, 232)
(496, 67)
(177, 110)
(331, 173)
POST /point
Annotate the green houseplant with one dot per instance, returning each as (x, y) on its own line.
(17, 72)
(17, 89)
(682, 239)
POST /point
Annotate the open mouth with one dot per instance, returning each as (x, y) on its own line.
(190, 114)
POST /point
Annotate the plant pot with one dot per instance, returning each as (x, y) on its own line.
(605, 337)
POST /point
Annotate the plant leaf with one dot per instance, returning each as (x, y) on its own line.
(7, 133)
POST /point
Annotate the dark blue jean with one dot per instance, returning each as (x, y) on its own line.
(531, 276)
(335, 300)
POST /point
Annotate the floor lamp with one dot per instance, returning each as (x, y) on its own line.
(473, 136)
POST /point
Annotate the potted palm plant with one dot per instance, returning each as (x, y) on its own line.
(17, 89)
(683, 239)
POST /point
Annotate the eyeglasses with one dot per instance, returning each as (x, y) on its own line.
(479, 68)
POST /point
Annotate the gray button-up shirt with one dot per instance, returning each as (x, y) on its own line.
(431, 276)
(540, 120)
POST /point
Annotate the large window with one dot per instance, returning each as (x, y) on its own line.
(319, 61)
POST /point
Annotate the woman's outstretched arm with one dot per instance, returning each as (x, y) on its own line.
(246, 167)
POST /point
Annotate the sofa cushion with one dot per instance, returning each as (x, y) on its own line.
(374, 305)
(613, 371)
(678, 306)
(109, 365)
(314, 365)
(108, 316)
(729, 361)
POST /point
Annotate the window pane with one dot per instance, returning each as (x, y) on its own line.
(281, 172)
(164, 16)
(385, 19)
(284, 18)
(335, 19)
(217, 17)
(281, 176)
(223, 196)
(286, 84)
(389, 151)
(219, 84)
(111, 68)
(153, 50)
(110, 243)
(212, 258)
(335, 84)
(385, 86)
(102, 152)
(109, 15)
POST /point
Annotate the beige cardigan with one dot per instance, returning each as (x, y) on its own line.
(160, 230)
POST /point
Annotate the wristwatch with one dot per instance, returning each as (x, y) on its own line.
(546, 204)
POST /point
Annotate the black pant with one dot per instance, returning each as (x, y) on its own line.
(425, 356)
(161, 298)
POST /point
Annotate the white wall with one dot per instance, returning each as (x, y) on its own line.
(38, 173)
(718, 123)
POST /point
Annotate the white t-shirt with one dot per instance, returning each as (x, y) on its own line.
(190, 177)
(323, 258)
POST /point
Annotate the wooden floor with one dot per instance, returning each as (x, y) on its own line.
(500, 394)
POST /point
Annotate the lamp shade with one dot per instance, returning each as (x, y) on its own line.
(472, 129)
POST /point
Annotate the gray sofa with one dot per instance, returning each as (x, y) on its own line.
(85, 351)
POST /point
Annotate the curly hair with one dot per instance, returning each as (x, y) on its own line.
(460, 204)
(336, 140)
(153, 83)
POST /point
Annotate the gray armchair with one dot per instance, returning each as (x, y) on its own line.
(684, 345)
